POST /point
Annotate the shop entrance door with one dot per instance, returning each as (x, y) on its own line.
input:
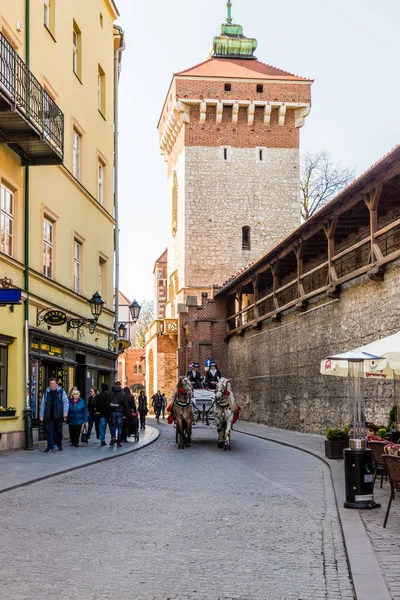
(80, 375)
(53, 369)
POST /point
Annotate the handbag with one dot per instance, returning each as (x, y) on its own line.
(84, 436)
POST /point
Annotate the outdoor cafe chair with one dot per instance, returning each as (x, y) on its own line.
(393, 468)
(377, 458)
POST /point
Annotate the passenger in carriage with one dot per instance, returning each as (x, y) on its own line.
(212, 376)
(194, 375)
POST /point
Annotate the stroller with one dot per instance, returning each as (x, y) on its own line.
(134, 426)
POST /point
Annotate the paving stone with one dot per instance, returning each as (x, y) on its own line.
(196, 524)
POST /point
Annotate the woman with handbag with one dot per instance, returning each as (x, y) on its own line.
(77, 417)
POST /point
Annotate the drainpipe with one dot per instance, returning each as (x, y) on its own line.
(117, 70)
(28, 409)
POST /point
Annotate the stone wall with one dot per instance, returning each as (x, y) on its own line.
(275, 371)
(222, 196)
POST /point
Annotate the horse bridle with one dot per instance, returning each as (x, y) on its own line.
(187, 397)
(220, 401)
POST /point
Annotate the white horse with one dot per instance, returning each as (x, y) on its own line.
(224, 410)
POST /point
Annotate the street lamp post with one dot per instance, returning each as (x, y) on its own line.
(121, 342)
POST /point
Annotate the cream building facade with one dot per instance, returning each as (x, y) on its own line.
(57, 198)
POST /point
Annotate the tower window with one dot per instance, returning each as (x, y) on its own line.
(260, 153)
(225, 153)
(228, 87)
(246, 237)
(260, 88)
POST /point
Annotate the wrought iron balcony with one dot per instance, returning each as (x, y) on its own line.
(31, 123)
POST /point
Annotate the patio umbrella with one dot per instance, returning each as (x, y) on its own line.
(344, 365)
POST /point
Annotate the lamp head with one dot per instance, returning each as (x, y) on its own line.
(135, 309)
(96, 305)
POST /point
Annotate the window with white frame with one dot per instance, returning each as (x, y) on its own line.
(102, 276)
(76, 154)
(47, 13)
(101, 91)
(48, 247)
(6, 220)
(76, 50)
(100, 189)
(77, 266)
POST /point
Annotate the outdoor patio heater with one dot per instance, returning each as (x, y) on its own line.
(358, 465)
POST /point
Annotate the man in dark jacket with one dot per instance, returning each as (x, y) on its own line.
(194, 375)
(143, 409)
(117, 408)
(103, 406)
(54, 412)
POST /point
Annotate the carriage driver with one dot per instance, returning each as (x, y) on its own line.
(212, 376)
(194, 375)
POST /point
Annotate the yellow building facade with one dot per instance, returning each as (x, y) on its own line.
(57, 101)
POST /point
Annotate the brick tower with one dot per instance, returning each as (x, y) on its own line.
(229, 131)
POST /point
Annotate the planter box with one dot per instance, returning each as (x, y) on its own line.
(334, 449)
(7, 413)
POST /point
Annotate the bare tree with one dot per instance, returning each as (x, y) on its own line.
(145, 320)
(320, 181)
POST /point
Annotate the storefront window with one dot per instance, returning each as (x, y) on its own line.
(35, 388)
(3, 374)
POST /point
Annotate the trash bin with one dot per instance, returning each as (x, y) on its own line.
(359, 479)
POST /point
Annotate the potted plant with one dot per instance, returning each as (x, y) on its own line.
(7, 411)
(336, 441)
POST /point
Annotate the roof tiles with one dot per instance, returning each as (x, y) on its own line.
(238, 68)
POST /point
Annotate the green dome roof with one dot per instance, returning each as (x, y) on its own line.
(231, 43)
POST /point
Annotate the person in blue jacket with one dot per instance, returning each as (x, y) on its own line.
(53, 411)
(77, 416)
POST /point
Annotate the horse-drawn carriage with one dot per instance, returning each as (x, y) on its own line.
(219, 405)
(203, 401)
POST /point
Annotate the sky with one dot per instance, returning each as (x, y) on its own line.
(349, 47)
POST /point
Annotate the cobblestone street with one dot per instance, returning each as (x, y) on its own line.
(257, 523)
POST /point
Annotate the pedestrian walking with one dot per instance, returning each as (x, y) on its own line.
(70, 391)
(77, 417)
(163, 405)
(54, 411)
(157, 404)
(118, 409)
(103, 406)
(142, 408)
(129, 414)
(94, 415)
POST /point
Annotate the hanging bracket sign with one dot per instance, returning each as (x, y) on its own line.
(55, 318)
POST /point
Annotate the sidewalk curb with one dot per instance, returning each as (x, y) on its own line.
(153, 439)
(367, 578)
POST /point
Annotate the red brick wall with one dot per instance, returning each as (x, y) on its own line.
(202, 333)
(242, 90)
(240, 135)
(133, 357)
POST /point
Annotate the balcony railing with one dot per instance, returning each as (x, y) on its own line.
(30, 121)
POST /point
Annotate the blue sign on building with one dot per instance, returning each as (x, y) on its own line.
(208, 362)
(10, 296)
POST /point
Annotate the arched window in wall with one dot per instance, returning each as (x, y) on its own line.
(135, 369)
(246, 237)
(175, 204)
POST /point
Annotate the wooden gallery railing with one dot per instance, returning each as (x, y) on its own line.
(251, 303)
